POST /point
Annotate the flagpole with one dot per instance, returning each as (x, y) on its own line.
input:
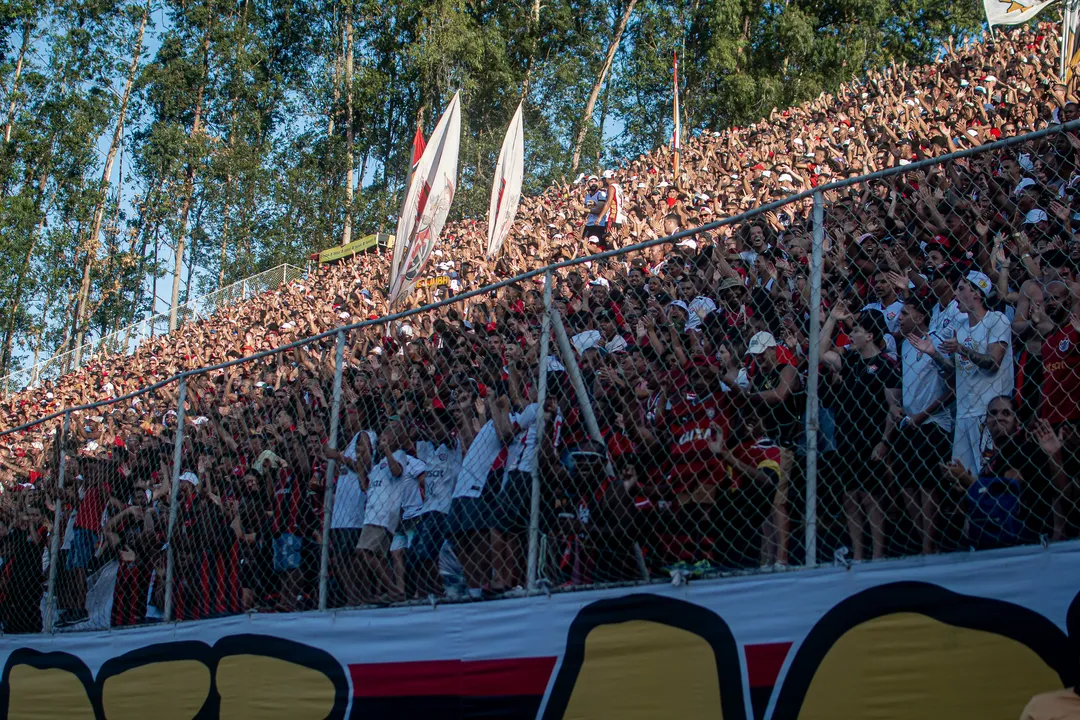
(1064, 49)
(675, 108)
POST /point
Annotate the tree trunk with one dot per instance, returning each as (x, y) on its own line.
(586, 118)
(13, 105)
(225, 231)
(103, 187)
(233, 101)
(189, 181)
(346, 234)
(11, 312)
(195, 232)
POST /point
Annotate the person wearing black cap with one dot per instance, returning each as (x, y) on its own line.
(868, 391)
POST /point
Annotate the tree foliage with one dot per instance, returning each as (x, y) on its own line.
(263, 175)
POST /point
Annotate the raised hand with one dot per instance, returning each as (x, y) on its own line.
(923, 344)
(1048, 440)
(716, 439)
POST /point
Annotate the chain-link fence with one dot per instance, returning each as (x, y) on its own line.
(126, 340)
(882, 367)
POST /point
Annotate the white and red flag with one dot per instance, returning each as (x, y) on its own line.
(428, 196)
(506, 191)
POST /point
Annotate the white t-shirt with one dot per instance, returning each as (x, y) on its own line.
(923, 384)
(387, 494)
(699, 308)
(975, 388)
(891, 313)
(349, 500)
(522, 449)
(943, 322)
(587, 339)
(597, 199)
(616, 344)
(443, 465)
(483, 452)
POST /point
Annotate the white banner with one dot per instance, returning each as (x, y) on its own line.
(1010, 12)
(427, 203)
(506, 190)
(1070, 34)
(952, 637)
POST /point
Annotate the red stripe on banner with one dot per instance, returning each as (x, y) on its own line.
(473, 678)
(763, 662)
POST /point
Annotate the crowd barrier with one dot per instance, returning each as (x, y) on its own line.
(694, 406)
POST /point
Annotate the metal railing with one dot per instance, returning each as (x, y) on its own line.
(126, 340)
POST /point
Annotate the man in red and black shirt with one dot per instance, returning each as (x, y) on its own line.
(754, 472)
(92, 495)
(132, 533)
(1061, 372)
(1061, 359)
(694, 472)
(208, 554)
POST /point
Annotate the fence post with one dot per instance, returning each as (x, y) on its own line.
(331, 470)
(178, 452)
(812, 403)
(587, 412)
(57, 531)
(541, 399)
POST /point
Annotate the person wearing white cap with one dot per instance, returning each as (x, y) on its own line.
(773, 388)
(981, 353)
(1036, 216)
(595, 221)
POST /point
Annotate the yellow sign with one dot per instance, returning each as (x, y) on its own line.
(437, 281)
(356, 246)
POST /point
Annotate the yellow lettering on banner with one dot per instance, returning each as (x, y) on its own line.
(437, 281)
(48, 693)
(267, 688)
(642, 669)
(175, 689)
(907, 665)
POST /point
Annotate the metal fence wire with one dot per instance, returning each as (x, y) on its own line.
(882, 366)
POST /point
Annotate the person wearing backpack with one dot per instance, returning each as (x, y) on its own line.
(1016, 498)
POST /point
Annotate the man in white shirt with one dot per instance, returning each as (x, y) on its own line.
(595, 224)
(389, 484)
(889, 303)
(698, 306)
(472, 511)
(946, 316)
(924, 440)
(350, 501)
(981, 354)
(442, 455)
(609, 331)
(514, 502)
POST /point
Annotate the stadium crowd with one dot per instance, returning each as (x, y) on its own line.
(950, 385)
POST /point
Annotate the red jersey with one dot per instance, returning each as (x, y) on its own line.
(92, 507)
(288, 503)
(762, 454)
(1061, 376)
(690, 422)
